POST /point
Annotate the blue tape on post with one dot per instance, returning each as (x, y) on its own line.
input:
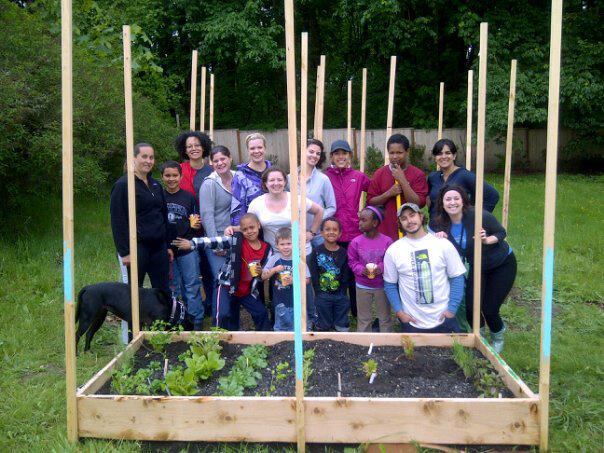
(67, 274)
(549, 299)
(297, 301)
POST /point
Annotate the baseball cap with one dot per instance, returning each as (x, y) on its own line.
(340, 145)
(411, 206)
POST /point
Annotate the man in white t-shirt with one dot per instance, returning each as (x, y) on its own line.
(423, 277)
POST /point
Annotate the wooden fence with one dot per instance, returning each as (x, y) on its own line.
(528, 148)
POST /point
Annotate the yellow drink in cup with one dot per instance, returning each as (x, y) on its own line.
(253, 267)
(285, 278)
(371, 267)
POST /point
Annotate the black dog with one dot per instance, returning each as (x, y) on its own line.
(94, 301)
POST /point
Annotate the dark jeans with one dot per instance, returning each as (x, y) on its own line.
(225, 312)
(333, 311)
(494, 288)
(153, 261)
(351, 284)
(448, 326)
(208, 279)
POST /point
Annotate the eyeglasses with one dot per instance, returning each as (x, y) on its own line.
(193, 146)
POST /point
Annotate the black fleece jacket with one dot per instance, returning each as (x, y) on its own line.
(493, 255)
(151, 214)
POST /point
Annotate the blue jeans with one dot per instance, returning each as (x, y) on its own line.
(215, 261)
(284, 318)
(333, 311)
(185, 283)
(449, 325)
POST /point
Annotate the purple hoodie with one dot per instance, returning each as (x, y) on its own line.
(245, 187)
(348, 184)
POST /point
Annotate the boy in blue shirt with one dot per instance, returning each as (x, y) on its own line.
(279, 270)
(183, 218)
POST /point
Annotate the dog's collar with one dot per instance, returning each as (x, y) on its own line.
(181, 316)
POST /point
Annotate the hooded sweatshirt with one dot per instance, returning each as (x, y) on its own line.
(215, 209)
(348, 185)
(246, 186)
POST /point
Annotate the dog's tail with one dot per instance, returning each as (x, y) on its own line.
(80, 294)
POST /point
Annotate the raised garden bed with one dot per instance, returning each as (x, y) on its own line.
(426, 398)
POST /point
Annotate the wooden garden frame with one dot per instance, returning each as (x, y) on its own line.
(521, 420)
(327, 419)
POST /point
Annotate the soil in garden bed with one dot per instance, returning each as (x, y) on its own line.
(432, 373)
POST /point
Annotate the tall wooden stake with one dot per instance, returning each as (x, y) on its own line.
(202, 108)
(293, 163)
(317, 102)
(349, 115)
(441, 104)
(480, 138)
(549, 222)
(193, 108)
(508, 147)
(469, 119)
(68, 237)
(303, 175)
(211, 132)
(320, 102)
(390, 115)
(131, 181)
(363, 131)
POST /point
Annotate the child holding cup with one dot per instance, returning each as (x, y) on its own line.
(278, 270)
(366, 260)
(239, 277)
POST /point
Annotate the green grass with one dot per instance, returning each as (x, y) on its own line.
(32, 405)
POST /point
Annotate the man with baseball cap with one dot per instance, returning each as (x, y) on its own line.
(348, 185)
(423, 277)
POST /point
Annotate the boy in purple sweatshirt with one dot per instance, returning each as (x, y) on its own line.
(366, 260)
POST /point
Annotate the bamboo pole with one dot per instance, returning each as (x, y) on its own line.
(349, 114)
(321, 102)
(211, 134)
(480, 138)
(193, 91)
(390, 116)
(131, 181)
(68, 236)
(441, 104)
(549, 222)
(202, 108)
(508, 147)
(303, 175)
(293, 162)
(363, 130)
(469, 120)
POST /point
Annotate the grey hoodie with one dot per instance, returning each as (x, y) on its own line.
(214, 205)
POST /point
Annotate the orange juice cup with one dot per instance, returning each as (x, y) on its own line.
(253, 267)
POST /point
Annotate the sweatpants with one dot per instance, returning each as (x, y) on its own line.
(495, 286)
(366, 299)
(227, 308)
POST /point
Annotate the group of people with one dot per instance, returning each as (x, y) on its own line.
(231, 230)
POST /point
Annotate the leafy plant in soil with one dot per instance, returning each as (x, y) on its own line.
(478, 370)
(245, 372)
(141, 383)
(408, 347)
(309, 356)
(369, 367)
(278, 374)
(181, 382)
(163, 338)
(203, 366)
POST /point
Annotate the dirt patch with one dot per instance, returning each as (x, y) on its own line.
(432, 373)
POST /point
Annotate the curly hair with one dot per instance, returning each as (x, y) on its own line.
(180, 144)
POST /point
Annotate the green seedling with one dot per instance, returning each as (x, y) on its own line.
(369, 367)
(408, 347)
(478, 370)
(124, 382)
(205, 365)
(245, 372)
(181, 382)
(309, 356)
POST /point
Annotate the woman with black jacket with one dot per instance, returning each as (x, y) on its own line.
(455, 220)
(153, 250)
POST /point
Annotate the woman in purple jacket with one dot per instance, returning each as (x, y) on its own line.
(348, 186)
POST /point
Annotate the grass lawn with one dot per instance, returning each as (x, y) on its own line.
(32, 405)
